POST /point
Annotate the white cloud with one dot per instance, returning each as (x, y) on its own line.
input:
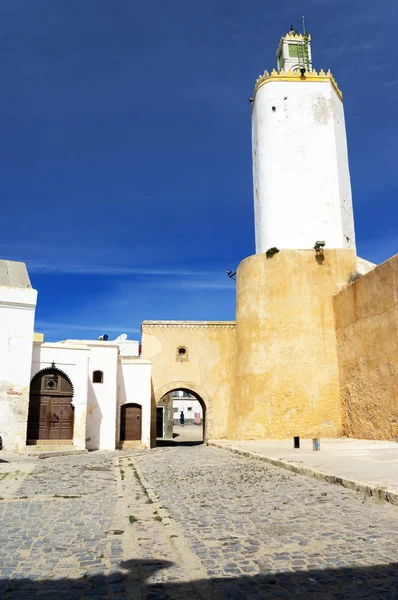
(52, 325)
(90, 269)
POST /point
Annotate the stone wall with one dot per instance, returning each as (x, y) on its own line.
(366, 314)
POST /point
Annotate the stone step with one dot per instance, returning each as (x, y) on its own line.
(46, 451)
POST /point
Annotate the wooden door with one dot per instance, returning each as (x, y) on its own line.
(130, 426)
(51, 414)
(60, 418)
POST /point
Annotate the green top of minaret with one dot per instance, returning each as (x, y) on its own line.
(294, 51)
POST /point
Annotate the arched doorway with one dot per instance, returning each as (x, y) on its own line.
(51, 413)
(180, 418)
(131, 423)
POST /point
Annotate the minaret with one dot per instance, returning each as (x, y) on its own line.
(302, 189)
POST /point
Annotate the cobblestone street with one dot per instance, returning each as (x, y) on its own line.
(188, 523)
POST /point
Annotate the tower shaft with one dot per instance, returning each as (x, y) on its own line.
(302, 189)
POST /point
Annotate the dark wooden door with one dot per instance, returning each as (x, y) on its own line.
(51, 414)
(159, 421)
(130, 426)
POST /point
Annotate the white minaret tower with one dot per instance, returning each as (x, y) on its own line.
(302, 189)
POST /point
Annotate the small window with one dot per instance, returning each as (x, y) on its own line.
(175, 409)
(98, 377)
(189, 407)
(182, 354)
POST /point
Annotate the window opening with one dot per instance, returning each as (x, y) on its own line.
(98, 377)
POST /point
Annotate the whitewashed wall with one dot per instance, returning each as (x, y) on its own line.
(347, 213)
(134, 386)
(302, 190)
(17, 313)
(101, 399)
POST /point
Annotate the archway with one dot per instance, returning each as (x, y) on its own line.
(51, 412)
(180, 415)
(131, 423)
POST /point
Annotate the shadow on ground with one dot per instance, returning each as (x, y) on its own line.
(378, 582)
(161, 442)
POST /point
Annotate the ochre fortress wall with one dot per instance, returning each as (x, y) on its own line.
(366, 326)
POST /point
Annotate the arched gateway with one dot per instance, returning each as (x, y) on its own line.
(195, 357)
(51, 413)
(193, 390)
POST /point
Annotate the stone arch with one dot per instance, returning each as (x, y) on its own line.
(50, 369)
(197, 391)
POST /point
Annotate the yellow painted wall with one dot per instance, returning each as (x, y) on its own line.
(208, 370)
(366, 324)
(286, 377)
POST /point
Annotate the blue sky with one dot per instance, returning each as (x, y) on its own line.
(125, 170)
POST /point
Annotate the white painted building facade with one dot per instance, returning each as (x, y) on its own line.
(110, 384)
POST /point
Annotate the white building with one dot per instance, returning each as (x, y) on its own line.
(189, 406)
(83, 393)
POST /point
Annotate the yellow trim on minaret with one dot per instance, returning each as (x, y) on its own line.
(295, 36)
(297, 76)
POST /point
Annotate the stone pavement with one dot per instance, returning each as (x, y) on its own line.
(182, 523)
(188, 433)
(262, 532)
(368, 466)
(57, 528)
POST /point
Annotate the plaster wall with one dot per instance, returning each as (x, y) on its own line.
(286, 379)
(17, 313)
(366, 314)
(207, 372)
(73, 360)
(302, 190)
(129, 348)
(134, 386)
(101, 398)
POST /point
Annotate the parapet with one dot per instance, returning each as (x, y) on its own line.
(14, 274)
(297, 76)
